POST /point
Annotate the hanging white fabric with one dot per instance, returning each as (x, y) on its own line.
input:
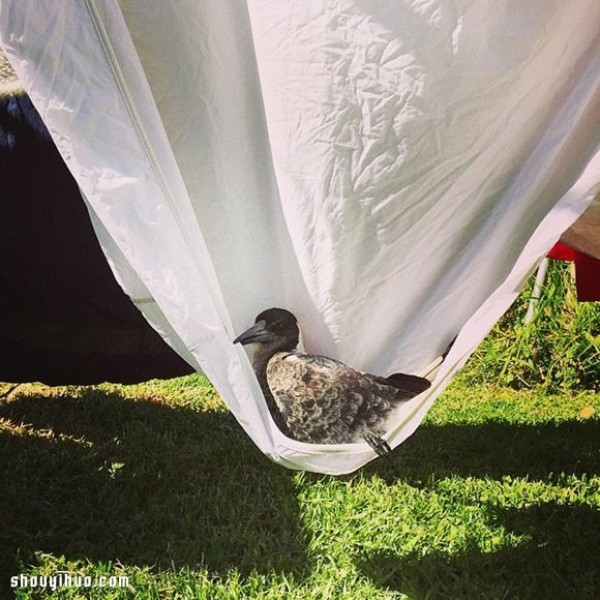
(391, 172)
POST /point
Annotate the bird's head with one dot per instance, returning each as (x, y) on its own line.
(275, 328)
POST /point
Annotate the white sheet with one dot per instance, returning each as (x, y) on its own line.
(390, 171)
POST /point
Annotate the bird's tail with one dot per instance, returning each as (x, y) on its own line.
(413, 385)
(409, 385)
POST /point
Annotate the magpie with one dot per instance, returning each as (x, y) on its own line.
(319, 400)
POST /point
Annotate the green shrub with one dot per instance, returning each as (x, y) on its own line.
(558, 350)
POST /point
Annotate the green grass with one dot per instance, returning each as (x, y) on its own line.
(559, 350)
(497, 495)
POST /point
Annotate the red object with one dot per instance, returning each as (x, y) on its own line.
(587, 271)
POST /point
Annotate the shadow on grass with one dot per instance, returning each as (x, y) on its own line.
(558, 560)
(110, 478)
(494, 450)
(562, 554)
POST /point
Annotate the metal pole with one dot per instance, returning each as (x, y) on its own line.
(537, 290)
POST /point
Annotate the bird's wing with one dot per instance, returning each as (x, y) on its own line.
(312, 376)
(319, 396)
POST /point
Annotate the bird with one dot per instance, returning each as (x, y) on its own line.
(320, 400)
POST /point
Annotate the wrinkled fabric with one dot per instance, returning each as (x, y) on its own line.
(391, 172)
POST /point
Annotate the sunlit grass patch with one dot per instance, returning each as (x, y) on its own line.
(558, 350)
(497, 495)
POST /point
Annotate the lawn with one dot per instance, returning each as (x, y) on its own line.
(497, 495)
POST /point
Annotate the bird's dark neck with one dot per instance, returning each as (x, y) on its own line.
(264, 354)
(259, 364)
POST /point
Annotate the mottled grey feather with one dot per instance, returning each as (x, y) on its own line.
(323, 401)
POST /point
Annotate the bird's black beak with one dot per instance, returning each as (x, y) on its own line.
(257, 333)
